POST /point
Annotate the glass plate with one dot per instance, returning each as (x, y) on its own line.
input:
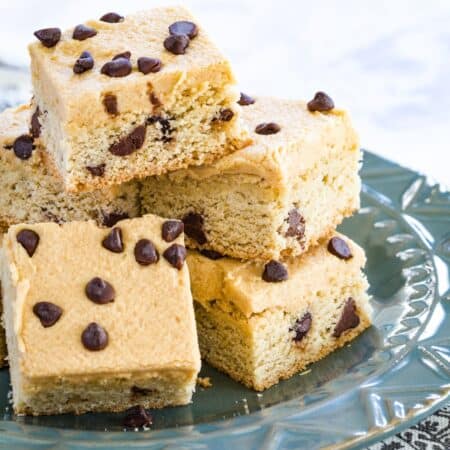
(395, 373)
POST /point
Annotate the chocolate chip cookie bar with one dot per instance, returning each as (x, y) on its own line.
(276, 197)
(262, 323)
(124, 97)
(98, 319)
(3, 352)
(31, 193)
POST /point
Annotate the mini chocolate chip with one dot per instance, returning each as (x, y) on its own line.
(97, 171)
(321, 102)
(83, 32)
(84, 63)
(110, 104)
(225, 115)
(175, 255)
(166, 129)
(48, 313)
(301, 327)
(148, 65)
(296, 224)
(99, 291)
(267, 128)
(48, 36)
(246, 100)
(171, 229)
(193, 227)
(177, 44)
(35, 128)
(120, 67)
(154, 100)
(94, 337)
(23, 146)
(145, 252)
(274, 272)
(130, 143)
(110, 219)
(29, 240)
(137, 417)
(113, 241)
(211, 254)
(184, 27)
(349, 319)
(126, 55)
(112, 17)
(338, 247)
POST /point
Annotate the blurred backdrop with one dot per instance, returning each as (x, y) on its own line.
(387, 62)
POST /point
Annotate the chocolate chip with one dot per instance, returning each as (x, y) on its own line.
(94, 337)
(113, 241)
(97, 171)
(110, 104)
(321, 102)
(177, 44)
(29, 240)
(82, 32)
(171, 229)
(23, 146)
(137, 417)
(48, 313)
(193, 227)
(126, 55)
(99, 291)
(225, 115)
(301, 327)
(48, 36)
(120, 67)
(296, 224)
(274, 272)
(35, 128)
(84, 63)
(349, 319)
(166, 128)
(338, 247)
(130, 143)
(184, 27)
(110, 219)
(211, 254)
(267, 128)
(246, 100)
(149, 65)
(175, 255)
(145, 252)
(154, 100)
(136, 390)
(111, 17)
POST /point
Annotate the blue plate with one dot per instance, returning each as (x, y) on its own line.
(395, 373)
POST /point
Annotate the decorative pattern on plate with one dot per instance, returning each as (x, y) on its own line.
(394, 374)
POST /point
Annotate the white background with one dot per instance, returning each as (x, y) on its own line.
(388, 62)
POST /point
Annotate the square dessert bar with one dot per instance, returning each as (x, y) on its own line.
(261, 323)
(31, 193)
(274, 198)
(3, 352)
(124, 97)
(98, 319)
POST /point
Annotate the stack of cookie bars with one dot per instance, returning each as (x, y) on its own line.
(135, 133)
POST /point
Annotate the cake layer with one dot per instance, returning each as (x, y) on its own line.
(141, 95)
(261, 323)
(275, 198)
(98, 319)
(31, 193)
